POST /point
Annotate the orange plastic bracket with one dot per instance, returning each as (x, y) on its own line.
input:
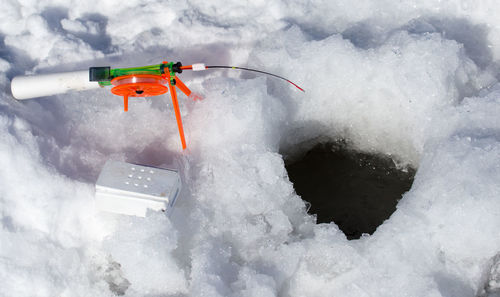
(182, 86)
(177, 110)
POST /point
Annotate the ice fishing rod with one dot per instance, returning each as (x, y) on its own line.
(246, 69)
(144, 81)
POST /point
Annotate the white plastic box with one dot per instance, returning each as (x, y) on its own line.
(132, 189)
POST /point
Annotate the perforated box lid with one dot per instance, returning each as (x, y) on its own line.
(121, 183)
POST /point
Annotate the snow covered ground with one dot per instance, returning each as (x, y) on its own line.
(416, 80)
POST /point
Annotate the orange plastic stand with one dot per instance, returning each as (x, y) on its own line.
(146, 85)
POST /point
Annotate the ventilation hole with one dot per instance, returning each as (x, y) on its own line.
(356, 191)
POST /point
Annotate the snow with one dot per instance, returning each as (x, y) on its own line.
(416, 80)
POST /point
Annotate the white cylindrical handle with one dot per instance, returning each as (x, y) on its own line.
(26, 87)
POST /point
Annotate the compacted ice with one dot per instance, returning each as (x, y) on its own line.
(414, 81)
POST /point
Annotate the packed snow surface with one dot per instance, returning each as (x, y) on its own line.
(415, 80)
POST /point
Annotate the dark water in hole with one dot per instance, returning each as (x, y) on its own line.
(357, 191)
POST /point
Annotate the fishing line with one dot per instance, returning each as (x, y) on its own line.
(198, 67)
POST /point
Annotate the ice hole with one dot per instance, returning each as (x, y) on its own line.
(357, 191)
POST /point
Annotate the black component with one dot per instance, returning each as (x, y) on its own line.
(100, 73)
(138, 92)
(173, 82)
(177, 67)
